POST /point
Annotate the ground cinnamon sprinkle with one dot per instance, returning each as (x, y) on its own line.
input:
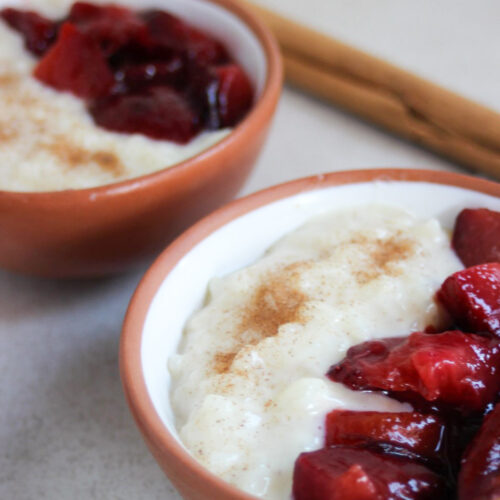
(67, 153)
(276, 302)
(108, 161)
(74, 156)
(391, 250)
(279, 300)
(223, 361)
(9, 79)
(382, 254)
(6, 133)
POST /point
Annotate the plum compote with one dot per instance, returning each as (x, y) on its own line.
(352, 473)
(476, 238)
(145, 72)
(421, 434)
(479, 477)
(452, 369)
(472, 298)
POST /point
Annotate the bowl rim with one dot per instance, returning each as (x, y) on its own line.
(130, 360)
(270, 89)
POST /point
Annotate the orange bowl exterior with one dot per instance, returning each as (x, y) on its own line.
(193, 481)
(108, 229)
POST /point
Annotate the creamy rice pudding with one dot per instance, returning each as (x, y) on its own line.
(48, 140)
(249, 389)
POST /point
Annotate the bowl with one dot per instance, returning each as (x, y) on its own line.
(111, 228)
(229, 239)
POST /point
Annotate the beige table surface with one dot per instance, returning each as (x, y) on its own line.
(65, 431)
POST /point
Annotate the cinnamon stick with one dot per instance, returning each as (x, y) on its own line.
(385, 94)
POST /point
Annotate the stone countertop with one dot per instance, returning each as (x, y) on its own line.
(65, 430)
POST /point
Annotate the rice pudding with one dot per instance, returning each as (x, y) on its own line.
(249, 389)
(48, 139)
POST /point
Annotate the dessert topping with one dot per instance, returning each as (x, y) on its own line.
(476, 237)
(453, 368)
(344, 472)
(479, 477)
(472, 298)
(419, 433)
(139, 72)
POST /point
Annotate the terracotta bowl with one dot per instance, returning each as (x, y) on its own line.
(108, 229)
(229, 239)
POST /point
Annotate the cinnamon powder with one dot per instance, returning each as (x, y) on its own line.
(276, 302)
(75, 156)
(279, 300)
(383, 254)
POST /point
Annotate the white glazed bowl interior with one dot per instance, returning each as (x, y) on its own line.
(211, 18)
(246, 238)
